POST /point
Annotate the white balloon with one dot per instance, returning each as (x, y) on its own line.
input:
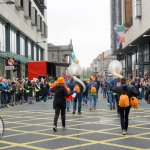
(114, 67)
(74, 69)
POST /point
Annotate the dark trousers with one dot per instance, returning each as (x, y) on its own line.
(37, 96)
(59, 108)
(124, 113)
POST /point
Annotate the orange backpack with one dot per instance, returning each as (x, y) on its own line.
(77, 88)
(134, 102)
(124, 100)
(93, 89)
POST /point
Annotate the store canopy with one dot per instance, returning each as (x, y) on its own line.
(17, 57)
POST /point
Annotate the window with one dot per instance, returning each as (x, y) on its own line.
(21, 3)
(146, 53)
(13, 47)
(2, 38)
(30, 8)
(29, 50)
(138, 9)
(22, 46)
(39, 51)
(35, 53)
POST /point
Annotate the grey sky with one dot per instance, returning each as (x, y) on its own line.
(86, 22)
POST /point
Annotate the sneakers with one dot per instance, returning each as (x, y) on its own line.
(123, 132)
(73, 112)
(90, 108)
(55, 129)
(79, 113)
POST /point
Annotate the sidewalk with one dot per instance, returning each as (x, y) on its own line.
(30, 127)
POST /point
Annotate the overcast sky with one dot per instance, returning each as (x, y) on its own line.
(86, 22)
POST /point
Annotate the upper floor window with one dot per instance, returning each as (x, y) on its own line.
(22, 46)
(138, 9)
(2, 38)
(13, 47)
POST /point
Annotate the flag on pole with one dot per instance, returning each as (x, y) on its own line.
(74, 59)
(120, 30)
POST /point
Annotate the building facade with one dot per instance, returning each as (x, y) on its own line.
(60, 55)
(23, 28)
(135, 51)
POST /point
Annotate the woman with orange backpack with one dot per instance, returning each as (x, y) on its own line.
(124, 93)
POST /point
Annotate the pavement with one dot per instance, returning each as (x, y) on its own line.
(29, 127)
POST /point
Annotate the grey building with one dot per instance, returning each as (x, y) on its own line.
(23, 28)
(135, 51)
(60, 55)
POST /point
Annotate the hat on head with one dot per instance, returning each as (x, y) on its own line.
(92, 78)
(60, 80)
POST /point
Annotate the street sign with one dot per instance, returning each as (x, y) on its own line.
(9, 67)
(10, 61)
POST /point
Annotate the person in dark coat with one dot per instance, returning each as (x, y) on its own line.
(124, 111)
(59, 103)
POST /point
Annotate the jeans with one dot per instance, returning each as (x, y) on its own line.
(110, 97)
(92, 99)
(79, 99)
(115, 99)
(85, 98)
(68, 105)
(124, 113)
(104, 92)
(4, 98)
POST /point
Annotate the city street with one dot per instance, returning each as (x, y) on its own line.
(29, 127)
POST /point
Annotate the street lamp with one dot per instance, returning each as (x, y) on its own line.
(41, 42)
(133, 45)
(146, 35)
(10, 2)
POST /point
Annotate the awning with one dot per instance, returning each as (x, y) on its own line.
(17, 57)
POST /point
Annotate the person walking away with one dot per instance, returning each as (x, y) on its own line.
(110, 93)
(116, 83)
(92, 95)
(79, 89)
(104, 88)
(59, 103)
(37, 91)
(85, 94)
(125, 93)
(68, 84)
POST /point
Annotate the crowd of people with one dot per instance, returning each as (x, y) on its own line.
(62, 88)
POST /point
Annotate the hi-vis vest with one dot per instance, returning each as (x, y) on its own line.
(37, 89)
